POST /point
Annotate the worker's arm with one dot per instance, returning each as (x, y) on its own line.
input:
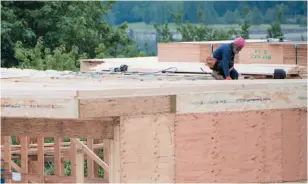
(225, 62)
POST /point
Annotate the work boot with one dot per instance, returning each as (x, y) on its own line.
(216, 76)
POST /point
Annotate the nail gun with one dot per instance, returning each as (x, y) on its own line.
(122, 68)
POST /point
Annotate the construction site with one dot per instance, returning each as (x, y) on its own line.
(161, 119)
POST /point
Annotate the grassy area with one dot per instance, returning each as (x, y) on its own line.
(141, 26)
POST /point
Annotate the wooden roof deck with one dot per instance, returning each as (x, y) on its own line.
(86, 95)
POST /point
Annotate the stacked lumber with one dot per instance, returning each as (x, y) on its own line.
(193, 51)
(295, 53)
(255, 52)
(194, 130)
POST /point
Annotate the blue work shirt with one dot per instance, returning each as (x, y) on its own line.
(224, 54)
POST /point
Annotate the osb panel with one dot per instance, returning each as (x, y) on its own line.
(294, 146)
(195, 148)
(178, 52)
(261, 53)
(147, 148)
(238, 146)
(94, 108)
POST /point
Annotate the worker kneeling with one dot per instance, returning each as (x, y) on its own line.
(222, 60)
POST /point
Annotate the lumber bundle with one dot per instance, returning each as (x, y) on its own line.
(157, 129)
(255, 52)
(295, 53)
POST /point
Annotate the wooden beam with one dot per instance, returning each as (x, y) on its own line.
(49, 149)
(37, 178)
(90, 162)
(94, 108)
(15, 166)
(92, 155)
(114, 157)
(58, 127)
(106, 157)
(96, 166)
(73, 153)
(79, 166)
(241, 100)
(57, 157)
(40, 155)
(39, 108)
(24, 156)
(7, 154)
(59, 179)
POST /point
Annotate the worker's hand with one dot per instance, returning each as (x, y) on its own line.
(228, 78)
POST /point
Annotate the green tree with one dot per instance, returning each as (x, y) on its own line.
(245, 26)
(274, 31)
(178, 16)
(78, 26)
(41, 58)
(163, 32)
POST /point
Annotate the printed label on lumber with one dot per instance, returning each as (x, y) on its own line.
(45, 108)
(240, 101)
(261, 54)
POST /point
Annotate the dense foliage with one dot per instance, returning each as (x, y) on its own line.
(45, 35)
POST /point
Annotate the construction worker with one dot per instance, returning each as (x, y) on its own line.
(222, 60)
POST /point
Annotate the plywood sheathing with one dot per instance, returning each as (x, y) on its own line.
(251, 146)
(184, 52)
(147, 148)
(92, 64)
(294, 127)
(150, 64)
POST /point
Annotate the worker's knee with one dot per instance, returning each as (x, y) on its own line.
(234, 74)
